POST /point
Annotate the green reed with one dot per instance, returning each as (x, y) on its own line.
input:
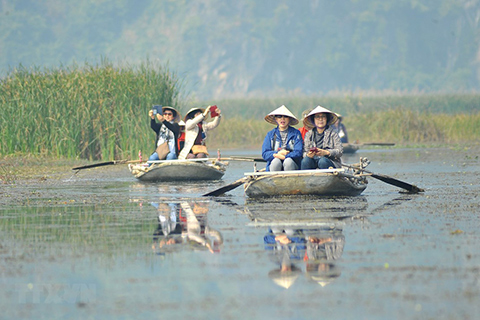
(92, 112)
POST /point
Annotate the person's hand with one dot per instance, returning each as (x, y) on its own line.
(159, 117)
(150, 114)
(284, 152)
(322, 153)
(279, 156)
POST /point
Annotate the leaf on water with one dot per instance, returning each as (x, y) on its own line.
(458, 231)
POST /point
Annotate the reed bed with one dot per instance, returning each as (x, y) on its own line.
(99, 112)
(90, 112)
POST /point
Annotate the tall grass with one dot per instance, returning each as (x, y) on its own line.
(91, 112)
(99, 112)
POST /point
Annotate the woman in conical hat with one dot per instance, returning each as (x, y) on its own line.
(167, 130)
(196, 129)
(323, 148)
(283, 146)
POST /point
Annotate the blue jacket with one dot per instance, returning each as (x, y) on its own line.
(272, 142)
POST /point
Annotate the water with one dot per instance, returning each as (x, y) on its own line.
(90, 245)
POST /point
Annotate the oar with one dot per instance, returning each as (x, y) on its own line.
(228, 187)
(105, 164)
(394, 182)
(377, 144)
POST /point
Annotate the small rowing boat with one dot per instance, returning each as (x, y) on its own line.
(179, 170)
(322, 182)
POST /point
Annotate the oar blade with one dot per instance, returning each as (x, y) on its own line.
(226, 188)
(395, 182)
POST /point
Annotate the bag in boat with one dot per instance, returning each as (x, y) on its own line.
(162, 150)
(196, 149)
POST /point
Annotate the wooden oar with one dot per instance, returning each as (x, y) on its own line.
(394, 182)
(228, 187)
(377, 144)
(105, 164)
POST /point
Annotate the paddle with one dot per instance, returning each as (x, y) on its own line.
(105, 164)
(228, 187)
(394, 182)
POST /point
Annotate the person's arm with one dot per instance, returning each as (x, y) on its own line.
(267, 152)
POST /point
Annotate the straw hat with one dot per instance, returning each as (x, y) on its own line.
(304, 115)
(176, 114)
(181, 123)
(193, 110)
(282, 111)
(332, 117)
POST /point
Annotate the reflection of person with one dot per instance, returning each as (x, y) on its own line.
(323, 148)
(340, 128)
(169, 229)
(198, 231)
(322, 250)
(306, 126)
(287, 245)
(282, 147)
(167, 129)
(196, 132)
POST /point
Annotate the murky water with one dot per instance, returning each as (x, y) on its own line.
(100, 244)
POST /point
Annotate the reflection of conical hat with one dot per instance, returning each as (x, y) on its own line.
(282, 111)
(308, 121)
(176, 116)
(193, 110)
(324, 277)
(284, 279)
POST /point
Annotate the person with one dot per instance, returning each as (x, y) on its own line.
(167, 130)
(340, 128)
(196, 132)
(181, 137)
(283, 146)
(305, 128)
(323, 148)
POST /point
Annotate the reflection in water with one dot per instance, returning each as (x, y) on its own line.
(184, 224)
(313, 250)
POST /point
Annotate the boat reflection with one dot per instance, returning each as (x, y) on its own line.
(184, 225)
(305, 237)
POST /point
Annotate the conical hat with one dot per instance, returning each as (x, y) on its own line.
(332, 117)
(181, 123)
(176, 117)
(282, 111)
(192, 110)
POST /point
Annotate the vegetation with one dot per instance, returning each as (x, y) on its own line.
(91, 112)
(99, 112)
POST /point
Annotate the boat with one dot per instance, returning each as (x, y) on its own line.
(322, 182)
(350, 148)
(179, 170)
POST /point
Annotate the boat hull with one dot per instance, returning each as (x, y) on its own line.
(320, 183)
(350, 148)
(177, 170)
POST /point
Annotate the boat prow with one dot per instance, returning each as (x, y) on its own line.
(179, 170)
(322, 182)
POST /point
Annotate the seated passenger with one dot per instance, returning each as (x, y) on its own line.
(340, 128)
(323, 148)
(283, 146)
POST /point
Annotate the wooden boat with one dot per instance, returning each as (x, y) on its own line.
(325, 182)
(179, 170)
(350, 148)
